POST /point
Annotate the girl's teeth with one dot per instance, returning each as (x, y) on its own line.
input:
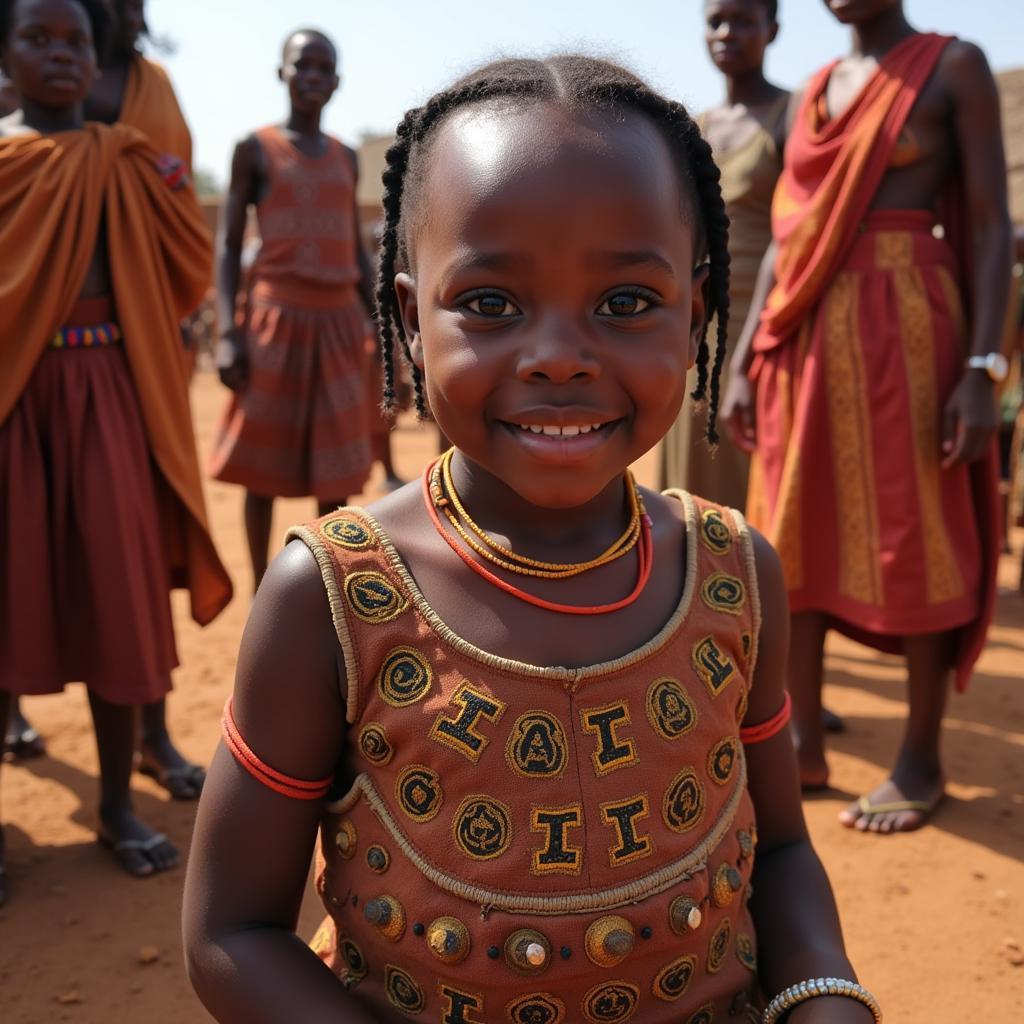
(556, 431)
(585, 430)
(570, 431)
(552, 431)
(536, 430)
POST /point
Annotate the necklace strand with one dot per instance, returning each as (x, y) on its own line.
(446, 497)
(645, 560)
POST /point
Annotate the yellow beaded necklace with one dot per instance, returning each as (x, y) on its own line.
(445, 497)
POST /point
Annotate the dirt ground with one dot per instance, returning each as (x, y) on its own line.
(934, 921)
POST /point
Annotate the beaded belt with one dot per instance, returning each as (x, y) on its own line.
(87, 337)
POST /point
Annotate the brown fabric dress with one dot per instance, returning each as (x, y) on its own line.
(510, 841)
(302, 425)
(749, 173)
(85, 572)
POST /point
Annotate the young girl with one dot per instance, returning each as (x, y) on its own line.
(524, 685)
(101, 510)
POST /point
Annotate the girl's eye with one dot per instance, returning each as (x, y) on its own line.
(623, 304)
(496, 306)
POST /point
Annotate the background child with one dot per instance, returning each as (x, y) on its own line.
(541, 808)
(298, 421)
(102, 511)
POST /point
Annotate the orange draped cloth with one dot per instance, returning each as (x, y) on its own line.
(860, 346)
(150, 105)
(54, 193)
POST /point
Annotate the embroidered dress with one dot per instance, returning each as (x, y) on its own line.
(529, 844)
(302, 425)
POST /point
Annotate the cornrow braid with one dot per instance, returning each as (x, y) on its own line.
(578, 83)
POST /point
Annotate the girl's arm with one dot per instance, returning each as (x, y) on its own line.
(799, 937)
(251, 848)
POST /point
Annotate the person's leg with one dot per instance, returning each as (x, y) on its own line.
(162, 760)
(806, 668)
(140, 849)
(259, 512)
(905, 800)
(21, 740)
(324, 508)
(5, 702)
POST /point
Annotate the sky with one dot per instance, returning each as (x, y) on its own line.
(395, 55)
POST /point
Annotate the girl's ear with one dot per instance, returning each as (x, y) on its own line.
(405, 289)
(699, 287)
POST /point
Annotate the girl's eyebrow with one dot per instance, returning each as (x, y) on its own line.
(635, 258)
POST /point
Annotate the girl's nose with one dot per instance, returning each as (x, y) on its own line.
(557, 357)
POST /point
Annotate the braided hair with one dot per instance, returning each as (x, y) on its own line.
(579, 83)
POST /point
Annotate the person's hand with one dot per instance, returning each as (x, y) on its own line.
(232, 360)
(738, 412)
(970, 419)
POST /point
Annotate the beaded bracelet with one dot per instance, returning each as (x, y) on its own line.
(805, 990)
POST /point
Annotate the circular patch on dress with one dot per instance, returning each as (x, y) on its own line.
(482, 827)
(373, 597)
(418, 791)
(404, 678)
(673, 979)
(536, 1008)
(723, 593)
(714, 532)
(402, 990)
(611, 1003)
(536, 746)
(374, 744)
(670, 710)
(348, 533)
(722, 760)
(683, 805)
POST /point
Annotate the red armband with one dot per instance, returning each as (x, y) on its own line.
(766, 730)
(286, 785)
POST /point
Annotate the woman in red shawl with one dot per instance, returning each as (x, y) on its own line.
(872, 367)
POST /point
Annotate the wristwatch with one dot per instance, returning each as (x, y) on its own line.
(995, 364)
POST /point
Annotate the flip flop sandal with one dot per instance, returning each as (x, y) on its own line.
(922, 807)
(120, 848)
(24, 745)
(183, 783)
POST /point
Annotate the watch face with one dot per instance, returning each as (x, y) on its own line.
(998, 367)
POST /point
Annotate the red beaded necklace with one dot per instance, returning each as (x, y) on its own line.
(645, 560)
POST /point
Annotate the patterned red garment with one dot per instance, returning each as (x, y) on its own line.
(541, 844)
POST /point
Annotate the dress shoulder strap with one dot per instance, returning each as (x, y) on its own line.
(371, 606)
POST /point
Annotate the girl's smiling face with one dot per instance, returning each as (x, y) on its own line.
(552, 300)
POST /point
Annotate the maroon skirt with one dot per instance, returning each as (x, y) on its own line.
(84, 583)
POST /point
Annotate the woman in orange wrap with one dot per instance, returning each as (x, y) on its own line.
(298, 422)
(137, 92)
(874, 350)
(102, 509)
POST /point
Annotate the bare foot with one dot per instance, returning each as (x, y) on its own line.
(161, 760)
(897, 805)
(139, 849)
